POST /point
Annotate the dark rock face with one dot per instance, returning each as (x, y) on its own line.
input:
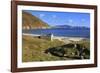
(55, 52)
(76, 51)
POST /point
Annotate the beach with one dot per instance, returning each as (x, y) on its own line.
(60, 38)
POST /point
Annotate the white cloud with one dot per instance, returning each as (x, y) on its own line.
(83, 20)
(42, 15)
(70, 20)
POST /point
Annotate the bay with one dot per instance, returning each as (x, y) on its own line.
(60, 32)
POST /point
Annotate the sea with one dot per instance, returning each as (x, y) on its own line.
(85, 33)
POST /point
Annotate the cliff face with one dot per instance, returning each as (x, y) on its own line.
(30, 21)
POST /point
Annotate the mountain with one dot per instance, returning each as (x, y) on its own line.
(30, 21)
(70, 27)
(62, 26)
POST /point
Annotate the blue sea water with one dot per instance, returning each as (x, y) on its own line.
(61, 32)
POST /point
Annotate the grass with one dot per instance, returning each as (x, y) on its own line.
(33, 49)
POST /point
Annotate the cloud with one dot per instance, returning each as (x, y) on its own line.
(70, 20)
(42, 15)
(83, 20)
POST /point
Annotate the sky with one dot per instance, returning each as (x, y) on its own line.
(62, 18)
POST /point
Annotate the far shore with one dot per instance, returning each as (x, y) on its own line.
(60, 38)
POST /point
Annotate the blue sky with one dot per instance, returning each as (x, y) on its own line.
(62, 18)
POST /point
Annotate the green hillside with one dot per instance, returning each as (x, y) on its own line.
(30, 21)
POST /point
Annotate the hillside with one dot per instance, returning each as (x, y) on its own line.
(30, 21)
(42, 49)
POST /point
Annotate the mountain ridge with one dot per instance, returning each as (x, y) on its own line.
(70, 27)
(30, 21)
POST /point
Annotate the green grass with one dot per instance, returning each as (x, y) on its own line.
(33, 49)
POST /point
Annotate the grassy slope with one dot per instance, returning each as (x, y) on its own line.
(32, 21)
(33, 49)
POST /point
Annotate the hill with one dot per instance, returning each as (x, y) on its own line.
(71, 27)
(30, 21)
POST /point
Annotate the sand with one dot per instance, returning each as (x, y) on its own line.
(60, 38)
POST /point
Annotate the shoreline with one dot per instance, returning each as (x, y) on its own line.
(61, 38)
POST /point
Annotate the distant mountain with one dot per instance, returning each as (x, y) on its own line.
(30, 21)
(63, 26)
(70, 27)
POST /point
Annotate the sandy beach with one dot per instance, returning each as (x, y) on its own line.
(68, 39)
(60, 38)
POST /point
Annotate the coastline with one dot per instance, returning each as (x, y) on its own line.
(60, 38)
